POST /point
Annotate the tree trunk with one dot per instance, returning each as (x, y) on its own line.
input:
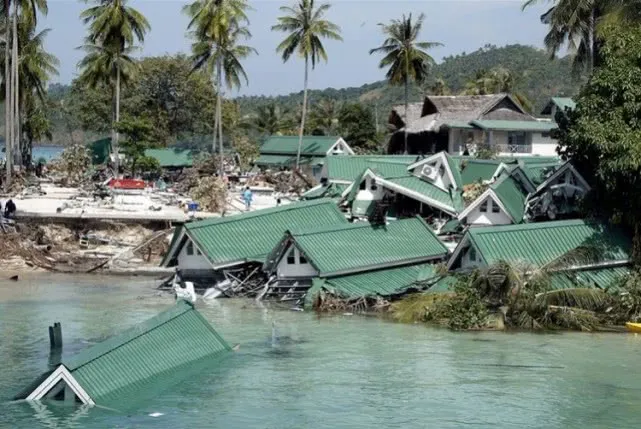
(17, 152)
(8, 126)
(114, 133)
(219, 112)
(407, 97)
(213, 147)
(302, 119)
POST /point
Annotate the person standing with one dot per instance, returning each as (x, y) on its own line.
(247, 197)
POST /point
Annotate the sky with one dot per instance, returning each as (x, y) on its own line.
(461, 26)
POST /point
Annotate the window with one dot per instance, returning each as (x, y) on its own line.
(545, 134)
(516, 138)
(472, 254)
(483, 208)
(495, 207)
(190, 248)
(363, 185)
(291, 257)
(373, 186)
(302, 259)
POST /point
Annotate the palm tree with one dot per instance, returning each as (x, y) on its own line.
(325, 115)
(405, 57)
(439, 87)
(218, 27)
(35, 67)
(29, 10)
(495, 81)
(574, 23)
(306, 27)
(114, 27)
(271, 120)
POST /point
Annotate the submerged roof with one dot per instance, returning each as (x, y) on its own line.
(598, 278)
(288, 145)
(155, 348)
(543, 242)
(251, 236)
(385, 282)
(358, 247)
(169, 157)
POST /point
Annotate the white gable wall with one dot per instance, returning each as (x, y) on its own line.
(471, 258)
(372, 192)
(291, 266)
(488, 217)
(190, 258)
(443, 179)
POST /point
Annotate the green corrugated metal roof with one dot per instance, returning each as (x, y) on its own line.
(348, 167)
(287, 160)
(540, 126)
(359, 247)
(561, 103)
(429, 190)
(538, 172)
(459, 124)
(443, 285)
(171, 157)
(168, 340)
(333, 190)
(100, 150)
(512, 195)
(288, 145)
(473, 170)
(251, 236)
(543, 242)
(385, 282)
(602, 278)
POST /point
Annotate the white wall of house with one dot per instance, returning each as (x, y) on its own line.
(340, 148)
(471, 258)
(488, 212)
(543, 144)
(371, 192)
(293, 265)
(190, 258)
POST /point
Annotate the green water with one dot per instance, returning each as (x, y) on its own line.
(335, 372)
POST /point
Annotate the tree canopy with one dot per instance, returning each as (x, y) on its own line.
(602, 135)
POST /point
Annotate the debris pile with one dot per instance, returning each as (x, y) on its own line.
(473, 191)
(286, 182)
(73, 167)
(211, 194)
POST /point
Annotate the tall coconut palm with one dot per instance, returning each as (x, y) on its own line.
(114, 28)
(218, 26)
(306, 27)
(573, 23)
(35, 67)
(406, 59)
(29, 10)
(271, 120)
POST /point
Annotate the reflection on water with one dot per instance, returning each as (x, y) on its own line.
(296, 370)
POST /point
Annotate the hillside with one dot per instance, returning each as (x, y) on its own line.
(537, 76)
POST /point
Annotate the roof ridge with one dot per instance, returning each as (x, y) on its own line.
(181, 307)
(530, 226)
(249, 215)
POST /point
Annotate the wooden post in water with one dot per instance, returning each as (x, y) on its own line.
(55, 344)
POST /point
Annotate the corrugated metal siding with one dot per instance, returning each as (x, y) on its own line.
(602, 278)
(312, 145)
(154, 350)
(362, 246)
(543, 242)
(383, 282)
(456, 172)
(253, 235)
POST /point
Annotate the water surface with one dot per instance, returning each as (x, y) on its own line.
(329, 372)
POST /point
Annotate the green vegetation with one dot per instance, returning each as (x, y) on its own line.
(521, 297)
(602, 136)
(305, 26)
